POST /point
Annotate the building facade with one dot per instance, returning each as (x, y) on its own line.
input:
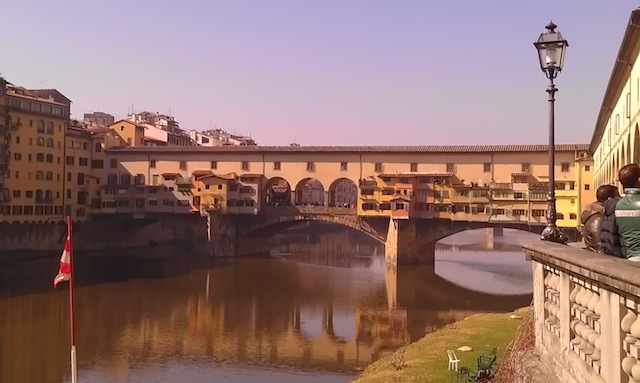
(35, 172)
(4, 146)
(484, 183)
(99, 119)
(616, 138)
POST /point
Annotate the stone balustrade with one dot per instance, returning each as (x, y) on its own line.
(587, 322)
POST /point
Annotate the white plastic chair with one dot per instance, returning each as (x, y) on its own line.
(453, 360)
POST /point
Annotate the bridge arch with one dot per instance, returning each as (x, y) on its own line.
(277, 192)
(310, 191)
(343, 192)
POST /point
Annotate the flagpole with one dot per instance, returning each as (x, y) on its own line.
(74, 365)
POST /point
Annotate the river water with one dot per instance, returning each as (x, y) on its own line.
(320, 310)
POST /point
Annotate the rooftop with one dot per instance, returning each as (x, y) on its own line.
(353, 149)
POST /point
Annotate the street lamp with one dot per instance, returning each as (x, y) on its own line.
(551, 48)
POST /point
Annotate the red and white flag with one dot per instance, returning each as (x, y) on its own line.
(64, 274)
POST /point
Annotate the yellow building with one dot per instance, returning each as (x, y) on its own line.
(81, 184)
(212, 192)
(35, 178)
(4, 154)
(127, 133)
(502, 183)
(616, 138)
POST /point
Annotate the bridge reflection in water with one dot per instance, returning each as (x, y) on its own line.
(268, 312)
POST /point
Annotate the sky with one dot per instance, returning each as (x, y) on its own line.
(323, 72)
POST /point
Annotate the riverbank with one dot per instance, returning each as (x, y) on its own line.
(426, 360)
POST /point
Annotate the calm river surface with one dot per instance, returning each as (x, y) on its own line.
(320, 310)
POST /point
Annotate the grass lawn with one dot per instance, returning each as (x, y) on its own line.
(426, 360)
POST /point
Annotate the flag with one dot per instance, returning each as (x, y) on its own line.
(64, 274)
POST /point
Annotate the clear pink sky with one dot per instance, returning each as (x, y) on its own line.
(329, 72)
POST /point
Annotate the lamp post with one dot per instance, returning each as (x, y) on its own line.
(551, 48)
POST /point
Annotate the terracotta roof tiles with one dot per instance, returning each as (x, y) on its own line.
(351, 149)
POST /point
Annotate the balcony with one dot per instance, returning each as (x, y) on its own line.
(500, 186)
(460, 198)
(183, 183)
(44, 200)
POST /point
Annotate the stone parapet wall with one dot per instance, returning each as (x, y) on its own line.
(586, 309)
(102, 233)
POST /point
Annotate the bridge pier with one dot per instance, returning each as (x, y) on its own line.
(222, 234)
(407, 243)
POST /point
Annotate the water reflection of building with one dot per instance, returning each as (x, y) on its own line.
(327, 245)
(265, 312)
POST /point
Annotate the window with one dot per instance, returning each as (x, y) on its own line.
(519, 212)
(343, 166)
(245, 165)
(40, 157)
(113, 163)
(80, 178)
(378, 167)
(183, 165)
(70, 160)
(40, 141)
(17, 156)
(125, 179)
(97, 147)
(97, 164)
(276, 165)
(573, 216)
(487, 167)
(29, 193)
(587, 168)
(152, 163)
(414, 167)
(538, 212)
(155, 178)
(139, 179)
(49, 142)
(68, 193)
(564, 166)
(214, 164)
(49, 127)
(559, 216)
(82, 161)
(129, 141)
(311, 166)
(519, 195)
(450, 168)
(559, 186)
(40, 126)
(16, 193)
(50, 158)
(526, 167)
(39, 175)
(587, 187)
(69, 176)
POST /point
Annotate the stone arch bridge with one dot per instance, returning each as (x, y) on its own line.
(407, 241)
